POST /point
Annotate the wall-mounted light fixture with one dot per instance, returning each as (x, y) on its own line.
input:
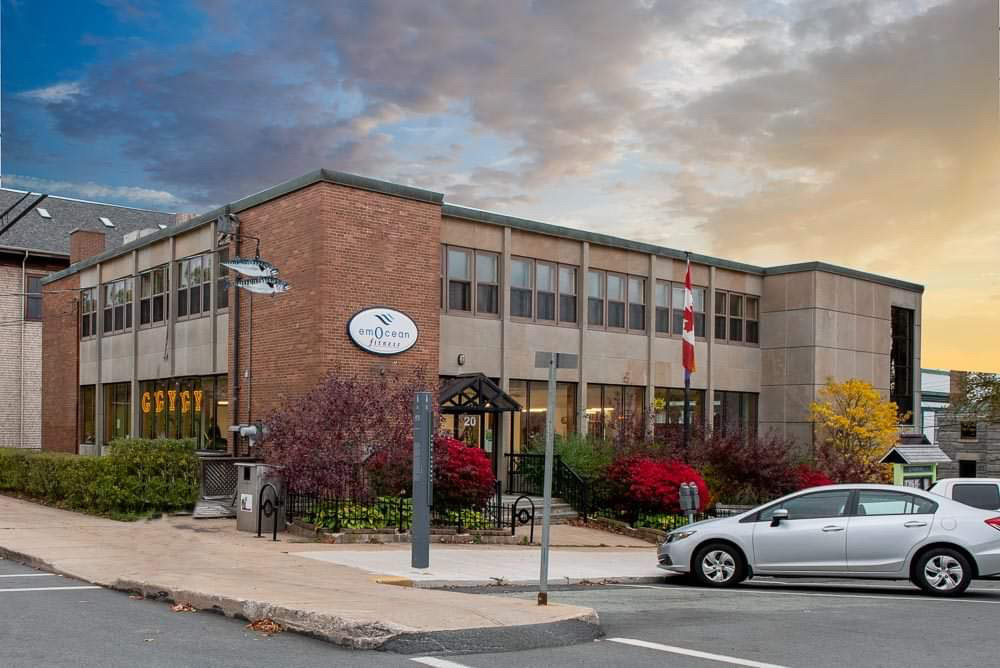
(461, 359)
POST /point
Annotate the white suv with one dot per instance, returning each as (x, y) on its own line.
(976, 492)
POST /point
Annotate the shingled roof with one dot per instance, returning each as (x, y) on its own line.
(51, 235)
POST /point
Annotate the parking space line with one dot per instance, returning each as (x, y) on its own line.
(916, 598)
(48, 588)
(434, 662)
(695, 653)
(29, 575)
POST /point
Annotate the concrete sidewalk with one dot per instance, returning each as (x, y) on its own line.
(208, 564)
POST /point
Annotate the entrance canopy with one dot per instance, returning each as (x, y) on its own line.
(474, 393)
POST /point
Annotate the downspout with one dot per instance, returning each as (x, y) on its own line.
(24, 312)
(234, 371)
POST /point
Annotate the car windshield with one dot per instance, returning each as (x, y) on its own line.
(809, 506)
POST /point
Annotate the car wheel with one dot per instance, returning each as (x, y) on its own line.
(942, 572)
(719, 565)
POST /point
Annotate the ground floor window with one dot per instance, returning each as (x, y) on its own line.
(88, 414)
(529, 424)
(611, 408)
(668, 410)
(735, 411)
(117, 411)
(195, 407)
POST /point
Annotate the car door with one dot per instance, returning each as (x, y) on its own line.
(810, 540)
(884, 528)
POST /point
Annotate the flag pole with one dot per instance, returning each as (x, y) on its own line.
(687, 372)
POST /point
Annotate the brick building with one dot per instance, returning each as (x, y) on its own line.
(34, 241)
(190, 355)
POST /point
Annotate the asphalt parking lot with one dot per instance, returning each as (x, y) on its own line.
(47, 620)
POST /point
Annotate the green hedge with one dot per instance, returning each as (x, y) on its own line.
(139, 476)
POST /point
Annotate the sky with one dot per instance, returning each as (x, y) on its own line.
(858, 132)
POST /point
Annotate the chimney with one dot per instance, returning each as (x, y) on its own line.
(84, 244)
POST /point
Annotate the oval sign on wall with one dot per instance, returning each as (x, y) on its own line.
(383, 331)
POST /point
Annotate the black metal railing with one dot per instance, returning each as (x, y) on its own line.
(571, 487)
(381, 513)
(526, 475)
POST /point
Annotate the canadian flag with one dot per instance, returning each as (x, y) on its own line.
(687, 336)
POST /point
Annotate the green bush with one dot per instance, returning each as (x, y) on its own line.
(139, 476)
(590, 457)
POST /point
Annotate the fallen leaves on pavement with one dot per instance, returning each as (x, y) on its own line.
(183, 607)
(266, 626)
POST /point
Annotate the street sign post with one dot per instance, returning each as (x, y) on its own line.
(552, 361)
(423, 478)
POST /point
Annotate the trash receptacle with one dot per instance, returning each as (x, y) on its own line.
(251, 480)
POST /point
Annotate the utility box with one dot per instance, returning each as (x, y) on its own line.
(257, 484)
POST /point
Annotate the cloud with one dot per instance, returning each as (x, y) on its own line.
(54, 94)
(95, 191)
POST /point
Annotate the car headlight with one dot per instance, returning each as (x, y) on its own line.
(679, 535)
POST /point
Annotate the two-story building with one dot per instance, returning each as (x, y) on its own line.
(158, 340)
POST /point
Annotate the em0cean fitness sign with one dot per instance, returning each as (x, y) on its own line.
(383, 331)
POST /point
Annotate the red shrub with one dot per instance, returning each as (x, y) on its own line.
(807, 476)
(463, 476)
(654, 484)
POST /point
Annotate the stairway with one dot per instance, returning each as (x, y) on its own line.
(562, 512)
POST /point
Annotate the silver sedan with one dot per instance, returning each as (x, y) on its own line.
(851, 531)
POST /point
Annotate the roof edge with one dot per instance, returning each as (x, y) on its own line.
(481, 216)
(843, 271)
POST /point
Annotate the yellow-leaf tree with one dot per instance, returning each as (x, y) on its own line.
(855, 428)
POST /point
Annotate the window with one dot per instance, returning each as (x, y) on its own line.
(877, 502)
(567, 294)
(611, 408)
(459, 280)
(221, 279)
(44, 213)
(967, 430)
(698, 297)
(487, 283)
(734, 412)
(117, 306)
(595, 298)
(88, 414)
(616, 301)
(662, 307)
(737, 318)
(967, 468)
(520, 288)
(88, 312)
(668, 410)
(153, 296)
(194, 286)
(33, 298)
(106, 222)
(196, 408)
(636, 303)
(117, 411)
(753, 320)
(529, 424)
(810, 506)
(545, 291)
(901, 363)
(978, 495)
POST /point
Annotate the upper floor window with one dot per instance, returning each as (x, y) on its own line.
(117, 306)
(967, 430)
(520, 288)
(194, 286)
(33, 298)
(662, 297)
(636, 303)
(461, 269)
(616, 301)
(901, 363)
(459, 280)
(545, 291)
(737, 318)
(677, 309)
(154, 296)
(221, 279)
(487, 283)
(595, 298)
(88, 312)
(567, 294)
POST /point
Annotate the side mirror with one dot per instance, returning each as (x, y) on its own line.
(778, 515)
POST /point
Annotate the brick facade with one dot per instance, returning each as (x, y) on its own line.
(60, 364)
(84, 244)
(341, 250)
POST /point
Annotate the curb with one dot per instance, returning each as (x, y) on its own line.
(503, 582)
(352, 633)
